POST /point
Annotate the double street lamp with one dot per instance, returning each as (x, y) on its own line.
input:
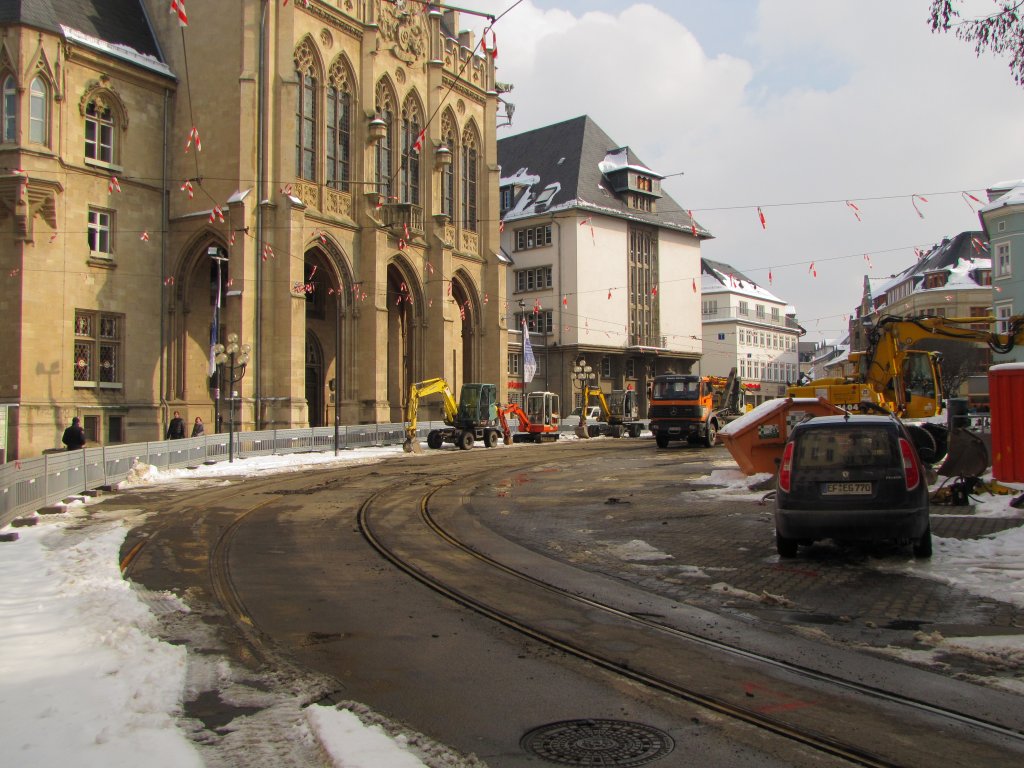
(582, 374)
(236, 358)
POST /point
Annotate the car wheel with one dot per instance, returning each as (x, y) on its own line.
(434, 439)
(464, 440)
(490, 438)
(785, 547)
(710, 434)
(661, 440)
(923, 546)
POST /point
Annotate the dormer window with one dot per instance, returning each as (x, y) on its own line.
(935, 280)
(641, 202)
(545, 195)
(508, 196)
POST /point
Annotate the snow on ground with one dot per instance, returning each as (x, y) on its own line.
(85, 682)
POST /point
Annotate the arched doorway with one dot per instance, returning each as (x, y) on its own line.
(464, 339)
(314, 380)
(330, 367)
(401, 339)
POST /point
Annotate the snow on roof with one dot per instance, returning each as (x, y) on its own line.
(1014, 197)
(116, 50)
(522, 178)
(727, 283)
(618, 159)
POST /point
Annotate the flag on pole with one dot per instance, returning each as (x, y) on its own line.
(529, 361)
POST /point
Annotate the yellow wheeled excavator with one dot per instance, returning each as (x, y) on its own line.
(474, 417)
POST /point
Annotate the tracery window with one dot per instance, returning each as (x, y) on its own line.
(385, 106)
(99, 132)
(469, 181)
(339, 128)
(448, 134)
(306, 113)
(409, 187)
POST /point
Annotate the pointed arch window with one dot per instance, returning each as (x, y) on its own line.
(39, 112)
(385, 146)
(305, 127)
(9, 105)
(305, 114)
(410, 169)
(448, 134)
(469, 181)
(99, 132)
(339, 129)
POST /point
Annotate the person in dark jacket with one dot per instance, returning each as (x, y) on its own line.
(197, 428)
(176, 429)
(74, 436)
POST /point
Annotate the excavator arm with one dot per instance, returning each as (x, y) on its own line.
(891, 365)
(512, 409)
(423, 389)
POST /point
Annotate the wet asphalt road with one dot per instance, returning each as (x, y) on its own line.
(617, 509)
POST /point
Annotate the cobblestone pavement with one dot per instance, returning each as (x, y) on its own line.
(655, 522)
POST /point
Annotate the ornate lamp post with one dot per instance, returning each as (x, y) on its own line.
(582, 374)
(236, 357)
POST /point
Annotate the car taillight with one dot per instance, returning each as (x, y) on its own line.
(786, 468)
(911, 470)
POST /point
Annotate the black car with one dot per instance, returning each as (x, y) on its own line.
(851, 478)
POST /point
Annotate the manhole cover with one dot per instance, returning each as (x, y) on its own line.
(598, 743)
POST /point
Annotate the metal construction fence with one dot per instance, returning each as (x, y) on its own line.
(30, 484)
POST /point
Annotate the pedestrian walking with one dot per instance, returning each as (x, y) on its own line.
(197, 428)
(176, 429)
(74, 436)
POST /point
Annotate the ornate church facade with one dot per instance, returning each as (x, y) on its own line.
(316, 182)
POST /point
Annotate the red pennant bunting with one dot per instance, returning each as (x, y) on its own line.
(760, 215)
(178, 7)
(854, 209)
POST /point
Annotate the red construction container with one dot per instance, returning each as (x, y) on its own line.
(756, 439)
(1006, 398)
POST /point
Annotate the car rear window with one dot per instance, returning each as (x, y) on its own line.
(845, 447)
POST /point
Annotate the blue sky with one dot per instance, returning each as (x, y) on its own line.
(793, 106)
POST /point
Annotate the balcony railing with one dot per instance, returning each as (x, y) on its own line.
(401, 216)
(734, 313)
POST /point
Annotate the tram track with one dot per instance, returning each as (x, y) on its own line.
(411, 519)
(410, 544)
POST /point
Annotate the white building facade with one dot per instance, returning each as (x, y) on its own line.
(603, 266)
(746, 327)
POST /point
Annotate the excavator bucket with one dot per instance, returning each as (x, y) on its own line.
(412, 444)
(967, 456)
(582, 431)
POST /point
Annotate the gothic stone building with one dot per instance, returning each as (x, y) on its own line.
(319, 182)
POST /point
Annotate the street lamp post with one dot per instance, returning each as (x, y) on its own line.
(522, 355)
(236, 357)
(582, 374)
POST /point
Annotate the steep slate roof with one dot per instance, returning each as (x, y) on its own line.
(121, 22)
(961, 249)
(568, 154)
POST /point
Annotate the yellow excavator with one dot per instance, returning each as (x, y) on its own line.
(620, 411)
(892, 376)
(474, 417)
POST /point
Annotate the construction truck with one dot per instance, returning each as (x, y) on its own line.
(539, 423)
(692, 407)
(474, 417)
(892, 376)
(620, 413)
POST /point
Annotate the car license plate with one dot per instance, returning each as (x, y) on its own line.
(846, 489)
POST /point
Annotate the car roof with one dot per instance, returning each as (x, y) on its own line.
(852, 419)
